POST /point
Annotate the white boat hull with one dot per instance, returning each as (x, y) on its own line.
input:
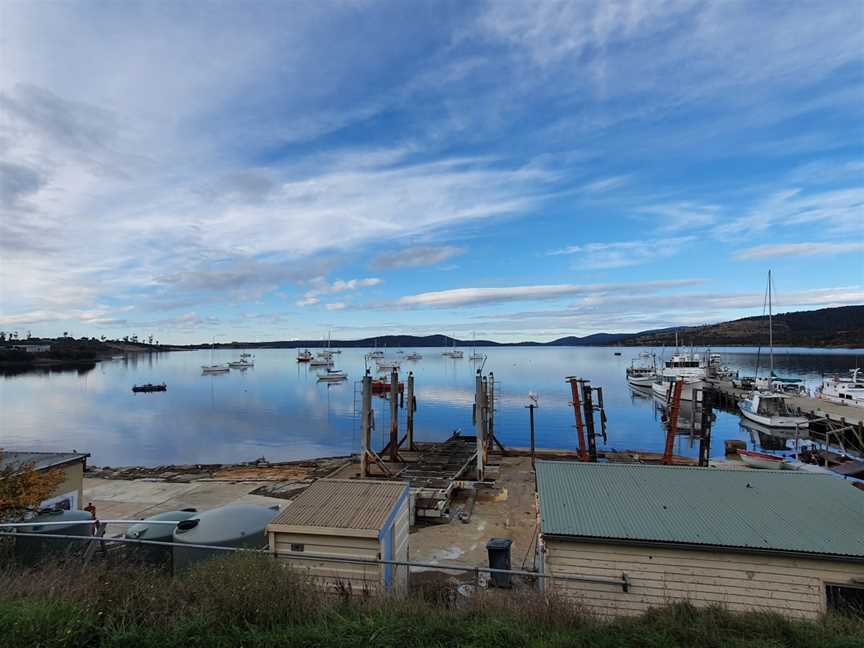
(782, 422)
(641, 381)
(763, 464)
(687, 391)
(854, 402)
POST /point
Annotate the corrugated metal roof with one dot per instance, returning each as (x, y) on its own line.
(40, 460)
(759, 509)
(343, 504)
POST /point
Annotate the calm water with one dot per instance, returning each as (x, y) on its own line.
(278, 409)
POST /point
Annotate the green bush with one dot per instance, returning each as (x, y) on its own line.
(251, 600)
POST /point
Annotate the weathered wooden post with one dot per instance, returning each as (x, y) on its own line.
(484, 418)
(412, 405)
(366, 424)
(394, 416)
(491, 400)
(577, 410)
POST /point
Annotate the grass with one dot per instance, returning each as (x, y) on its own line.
(251, 601)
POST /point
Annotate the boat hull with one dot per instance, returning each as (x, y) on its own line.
(854, 402)
(688, 391)
(645, 382)
(762, 461)
(777, 422)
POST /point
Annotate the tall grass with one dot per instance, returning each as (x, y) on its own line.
(252, 601)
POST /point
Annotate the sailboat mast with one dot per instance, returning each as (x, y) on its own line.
(770, 332)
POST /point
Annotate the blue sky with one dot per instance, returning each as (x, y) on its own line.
(271, 170)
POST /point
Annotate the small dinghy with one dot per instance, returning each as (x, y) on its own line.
(150, 388)
(762, 460)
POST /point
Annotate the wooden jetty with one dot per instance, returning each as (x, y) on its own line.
(843, 423)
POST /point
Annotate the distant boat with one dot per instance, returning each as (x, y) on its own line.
(453, 352)
(839, 389)
(150, 388)
(304, 356)
(413, 356)
(242, 363)
(762, 460)
(387, 364)
(214, 368)
(321, 362)
(475, 357)
(332, 375)
(617, 353)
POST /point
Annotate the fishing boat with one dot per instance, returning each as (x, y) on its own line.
(304, 356)
(413, 356)
(840, 389)
(686, 367)
(717, 370)
(762, 460)
(771, 410)
(641, 373)
(332, 375)
(150, 388)
(213, 368)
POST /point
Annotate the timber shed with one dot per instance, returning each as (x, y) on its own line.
(348, 519)
(70, 491)
(773, 540)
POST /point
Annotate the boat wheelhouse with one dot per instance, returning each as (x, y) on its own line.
(840, 389)
(686, 367)
(771, 410)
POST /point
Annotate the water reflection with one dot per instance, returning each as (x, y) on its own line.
(277, 409)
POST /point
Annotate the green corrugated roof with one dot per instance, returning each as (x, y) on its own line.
(754, 509)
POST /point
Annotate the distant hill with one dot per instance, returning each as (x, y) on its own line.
(828, 327)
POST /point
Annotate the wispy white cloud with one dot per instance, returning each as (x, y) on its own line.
(416, 257)
(798, 249)
(322, 287)
(677, 216)
(622, 254)
(474, 296)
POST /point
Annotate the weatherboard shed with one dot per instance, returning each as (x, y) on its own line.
(364, 520)
(781, 541)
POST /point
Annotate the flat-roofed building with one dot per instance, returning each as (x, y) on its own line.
(70, 491)
(780, 541)
(349, 519)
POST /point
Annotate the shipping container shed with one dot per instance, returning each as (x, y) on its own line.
(363, 520)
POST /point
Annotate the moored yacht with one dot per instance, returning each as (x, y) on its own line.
(771, 410)
(840, 389)
(332, 375)
(413, 356)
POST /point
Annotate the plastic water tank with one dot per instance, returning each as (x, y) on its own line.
(146, 530)
(237, 525)
(32, 550)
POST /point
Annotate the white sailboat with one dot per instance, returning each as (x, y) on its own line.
(413, 356)
(375, 352)
(213, 368)
(840, 389)
(764, 406)
(476, 357)
(453, 352)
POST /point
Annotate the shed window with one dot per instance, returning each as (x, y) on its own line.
(298, 547)
(844, 598)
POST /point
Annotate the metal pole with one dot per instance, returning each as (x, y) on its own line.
(491, 400)
(478, 424)
(531, 419)
(394, 416)
(366, 424)
(410, 414)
